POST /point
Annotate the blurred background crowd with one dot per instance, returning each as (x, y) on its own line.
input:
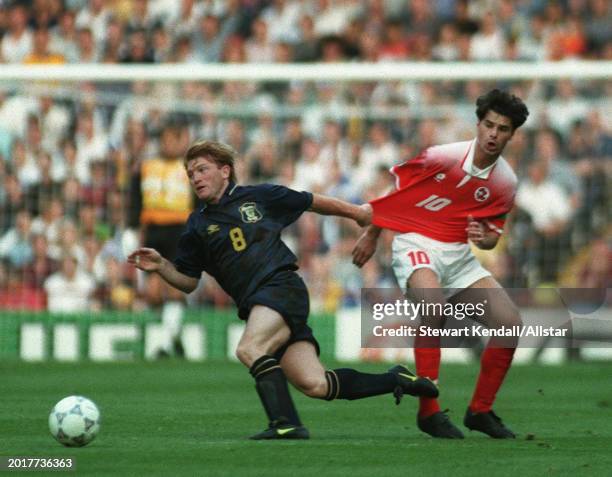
(89, 171)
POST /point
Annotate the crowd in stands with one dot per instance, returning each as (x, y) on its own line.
(73, 164)
(209, 31)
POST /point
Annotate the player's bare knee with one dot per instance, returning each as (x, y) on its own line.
(312, 386)
(247, 353)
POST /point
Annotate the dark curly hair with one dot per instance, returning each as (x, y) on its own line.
(502, 103)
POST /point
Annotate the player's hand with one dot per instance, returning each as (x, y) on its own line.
(364, 249)
(365, 215)
(147, 259)
(475, 231)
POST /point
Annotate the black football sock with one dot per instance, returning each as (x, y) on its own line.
(271, 385)
(351, 384)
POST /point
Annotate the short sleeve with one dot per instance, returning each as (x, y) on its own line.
(190, 257)
(496, 224)
(285, 204)
(411, 171)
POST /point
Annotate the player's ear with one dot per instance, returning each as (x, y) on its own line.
(226, 171)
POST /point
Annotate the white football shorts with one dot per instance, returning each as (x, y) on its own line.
(454, 263)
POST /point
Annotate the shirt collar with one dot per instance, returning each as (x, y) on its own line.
(229, 190)
(469, 167)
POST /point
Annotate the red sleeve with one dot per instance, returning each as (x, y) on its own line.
(410, 171)
(496, 224)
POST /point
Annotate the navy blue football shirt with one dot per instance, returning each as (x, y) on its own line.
(238, 241)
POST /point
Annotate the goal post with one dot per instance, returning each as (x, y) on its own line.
(423, 71)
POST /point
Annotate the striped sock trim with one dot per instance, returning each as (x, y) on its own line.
(263, 365)
(333, 385)
(267, 370)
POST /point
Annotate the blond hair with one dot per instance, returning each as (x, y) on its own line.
(219, 153)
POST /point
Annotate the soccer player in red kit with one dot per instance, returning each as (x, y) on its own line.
(446, 196)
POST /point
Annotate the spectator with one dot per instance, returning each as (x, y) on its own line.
(307, 47)
(13, 200)
(46, 189)
(379, 151)
(263, 161)
(488, 44)
(54, 121)
(49, 222)
(17, 42)
(113, 47)
(68, 242)
(281, 18)
(546, 202)
(565, 107)
(335, 148)
(45, 13)
(420, 21)
(531, 43)
(394, 46)
(42, 266)
(138, 50)
(550, 210)
(183, 50)
(186, 18)
(15, 246)
(559, 171)
(24, 161)
(310, 172)
(162, 44)
(211, 36)
(64, 37)
(598, 26)
(140, 17)
(291, 145)
(259, 48)
(94, 17)
(590, 268)
(91, 145)
(70, 289)
(463, 20)
(331, 18)
(40, 53)
(88, 51)
(115, 292)
(446, 48)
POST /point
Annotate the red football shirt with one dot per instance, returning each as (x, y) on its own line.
(440, 188)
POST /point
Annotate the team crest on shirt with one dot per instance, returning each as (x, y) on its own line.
(481, 194)
(249, 212)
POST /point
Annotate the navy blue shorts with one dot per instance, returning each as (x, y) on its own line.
(285, 293)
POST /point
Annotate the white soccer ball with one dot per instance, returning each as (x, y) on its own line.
(74, 421)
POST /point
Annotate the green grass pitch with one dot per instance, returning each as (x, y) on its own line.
(175, 418)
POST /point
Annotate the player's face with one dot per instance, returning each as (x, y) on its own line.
(208, 179)
(494, 132)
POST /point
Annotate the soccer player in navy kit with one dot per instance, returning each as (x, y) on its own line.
(235, 238)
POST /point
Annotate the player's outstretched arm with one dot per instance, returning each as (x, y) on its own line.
(150, 260)
(366, 245)
(324, 205)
